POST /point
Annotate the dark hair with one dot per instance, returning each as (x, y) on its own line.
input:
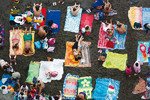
(21, 93)
(78, 98)
(76, 59)
(119, 25)
(37, 97)
(50, 23)
(136, 64)
(0, 40)
(29, 97)
(87, 27)
(128, 66)
(56, 98)
(16, 46)
(34, 85)
(107, 8)
(3, 87)
(77, 3)
(74, 9)
(5, 67)
(37, 7)
(24, 85)
(27, 51)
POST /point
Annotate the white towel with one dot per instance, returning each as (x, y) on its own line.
(55, 65)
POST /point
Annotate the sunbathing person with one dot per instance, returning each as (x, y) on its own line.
(37, 9)
(120, 28)
(75, 9)
(107, 7)
(77, 48)
(27, 42)
(15, 40)
(107, 27)
(5, 66)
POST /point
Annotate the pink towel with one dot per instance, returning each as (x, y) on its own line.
(86, 20)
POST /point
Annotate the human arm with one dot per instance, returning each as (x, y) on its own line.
(40, 7)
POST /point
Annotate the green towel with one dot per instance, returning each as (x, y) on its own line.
(85, 85)
(33, 72)
(115, 60)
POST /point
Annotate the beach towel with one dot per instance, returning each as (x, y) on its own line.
(55, 16)
(70, 86)
(41, 18)
(33, 33)
(33, 72)
(72, 23)
(2, 35)
(145, 16)
(86, 20)
(6, 81)
(102, 42)
(112, 13)
(142, 56)
(147, 92)
(140, 87)
(115, 60)
(55, 65)
(17, 19)
(69, 57)
(20, 50)
(135, 15)
(121, 38)
(85, 85)
(106, 89)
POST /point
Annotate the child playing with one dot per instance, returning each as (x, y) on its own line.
(107, 7)
(137, 67)
(12, 59)
(128, 70)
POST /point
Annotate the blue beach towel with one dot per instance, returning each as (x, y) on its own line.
(55, 16)
(101, 89)
(72, 23)
(145, 16)
(121, 38)
(139, 53)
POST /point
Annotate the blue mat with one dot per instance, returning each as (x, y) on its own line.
(145, 16)
(101, 88)
(121, 38)
(72, 23)
(139, 53)
(12, 83)
(55, 16)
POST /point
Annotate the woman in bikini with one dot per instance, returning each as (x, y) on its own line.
(120, 28)
(77, 48)
(27, 42)
(15, 40)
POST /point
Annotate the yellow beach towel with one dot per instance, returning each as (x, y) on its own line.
(33, 32)
(19, 51)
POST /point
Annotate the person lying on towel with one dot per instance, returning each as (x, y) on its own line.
(5, 66)
(75, 9)
(37, 9)
(27, 42)
(15, 40)
(77, 48)
(120, 28)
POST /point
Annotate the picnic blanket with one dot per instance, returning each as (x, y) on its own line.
(86, 20)
(70, 86)
(55, 65)
(106, 89)
(55, 16)
(140, 56)
(20, 50)
(135, 15)
(145, 16)
(42, 18)
(69, 57)
(33, 72)
(72, 23)
(140, 87)
(2, 35)
(33, 33)
(147, 92)
(17, 19)
(121, 38)
(102, 42)
(6, 81)
(85, 85)
(115, 60)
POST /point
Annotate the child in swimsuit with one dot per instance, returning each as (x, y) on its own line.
(15, 40)
(37, 9)
(27, 42)
(120, 28)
